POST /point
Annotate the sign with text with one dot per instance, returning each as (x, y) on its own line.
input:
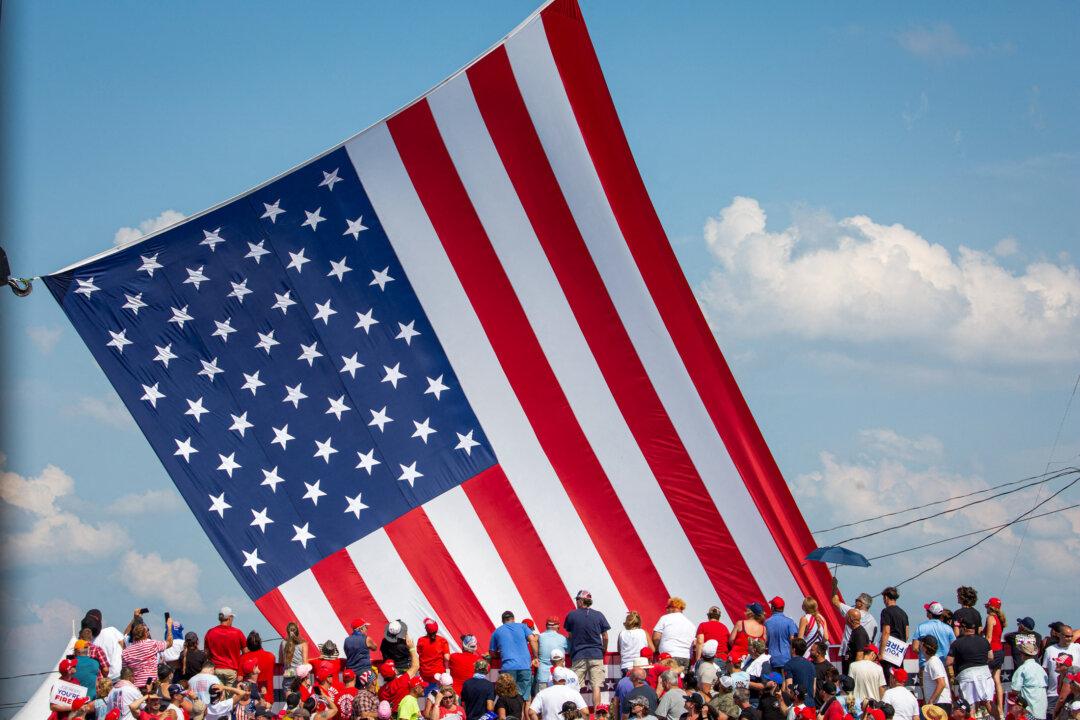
(65, 693)
(894, 651)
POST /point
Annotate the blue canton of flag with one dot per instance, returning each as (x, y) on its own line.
(277, 359)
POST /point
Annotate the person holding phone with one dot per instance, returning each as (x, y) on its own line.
(141, 654)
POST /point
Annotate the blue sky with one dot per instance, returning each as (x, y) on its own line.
(888, 265)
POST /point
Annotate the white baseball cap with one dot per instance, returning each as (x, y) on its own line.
(226, 612)
(558, 654)
(708, 649)
(562, 674)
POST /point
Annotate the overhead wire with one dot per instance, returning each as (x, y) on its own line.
(939, 502)
(1057, 474)
(980, 541)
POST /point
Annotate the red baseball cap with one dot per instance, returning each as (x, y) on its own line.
(808, 713)
(876, 714)
(553, 620)
(348, 675)
(1060, 659)
(250, 665)
(665, 656)
(528, 622)
(79, 702)
(322, 673)
(873, 649)
(358, 623)
(901, 675)
(387, 669)
(646, 652)
(416, 681)
(113, 714)
(67, 666)
(777, 602)
(994, 603)
(1075, 677)
(430, 625)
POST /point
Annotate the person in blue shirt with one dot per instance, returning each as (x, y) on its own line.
(515, 645)
(780, 630)
(549, 641)
(358, 647)
(935, 627)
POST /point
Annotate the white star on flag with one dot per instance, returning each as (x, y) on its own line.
(196, 409)
(313, 492)
(251, 560)
(180, 316)
(309, 353)
(381, 278)
(423, 429)
(367, 460)
(262, 519)
(223, 330)
(256, 251)
(252, 382)
(196, 277)
(354, 505)
(380, 418)
(466, 442)
(407, 333)
(272, 211)
(119, 340)
(351, 365)
(355, 227)
(410, 473)
(302, 535)
(329, 178)
(86, 287)
(325, 449)
(213, 239)
(185, 449)
(283, 302)
(134, 302)
(294, 395)
(164, 354)
(338, 269)
(240, 423)
(150, 264)
(393, 374)
(239, 290)
(281, 436)
(364, 321)
(297, 261)
(266, 341)
(324, 311)
(313, 219)
(228, 463)
(210, 369)
(151, 394)
(219, 505)
(271, 478)
(337, 407)
(436, 387)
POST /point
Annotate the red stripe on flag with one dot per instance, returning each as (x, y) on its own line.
(277, 612)
(583, 79)
(508, 122)
(515, 539)
(522, 359)
(434, 571)
(346, 591)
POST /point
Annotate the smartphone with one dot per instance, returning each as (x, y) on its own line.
(144, 611)
(166, 617)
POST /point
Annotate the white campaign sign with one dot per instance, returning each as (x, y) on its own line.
(65, 693)
(894, 651)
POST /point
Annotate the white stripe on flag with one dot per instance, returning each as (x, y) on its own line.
(313, 610)
(528, 469)
(537, 288)
(551, 113)
(384, 573)
(455, 520)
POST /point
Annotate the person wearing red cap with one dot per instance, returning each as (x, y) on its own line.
(396, 685)
(252, 698)
(409, 707)
(905, 706)
(992, 629)
(358, 646)
(433, 651)
(67, 675)
(780, 630)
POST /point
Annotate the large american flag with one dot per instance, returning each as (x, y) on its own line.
(449, 368)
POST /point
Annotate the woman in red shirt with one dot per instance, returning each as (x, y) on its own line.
(711, 629)
(995, 621)
(462, 663)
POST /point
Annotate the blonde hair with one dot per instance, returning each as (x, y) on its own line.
(104, 686)
(810, 606)
(633, 620)
(677, 603)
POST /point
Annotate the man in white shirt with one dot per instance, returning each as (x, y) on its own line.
(548, 702)
(123, 694)
(935, 679)
(172, 653)
(111, 642)
(200, 684)
(1063, 645)
(868, 676)
(905, 706)
(674, 633)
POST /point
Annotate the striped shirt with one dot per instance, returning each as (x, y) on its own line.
(141, 657)
(98, 654)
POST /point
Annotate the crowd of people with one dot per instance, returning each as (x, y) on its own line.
(767, 665)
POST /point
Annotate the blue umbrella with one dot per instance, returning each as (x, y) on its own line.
(838, 556)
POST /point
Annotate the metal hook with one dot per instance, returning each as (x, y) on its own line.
(20, 286)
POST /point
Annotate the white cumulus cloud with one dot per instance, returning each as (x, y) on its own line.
(162, 221)
(55, 534)
(148, 501)
(175, 582)
(106, 409)
(864, 282)
(937, 42)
